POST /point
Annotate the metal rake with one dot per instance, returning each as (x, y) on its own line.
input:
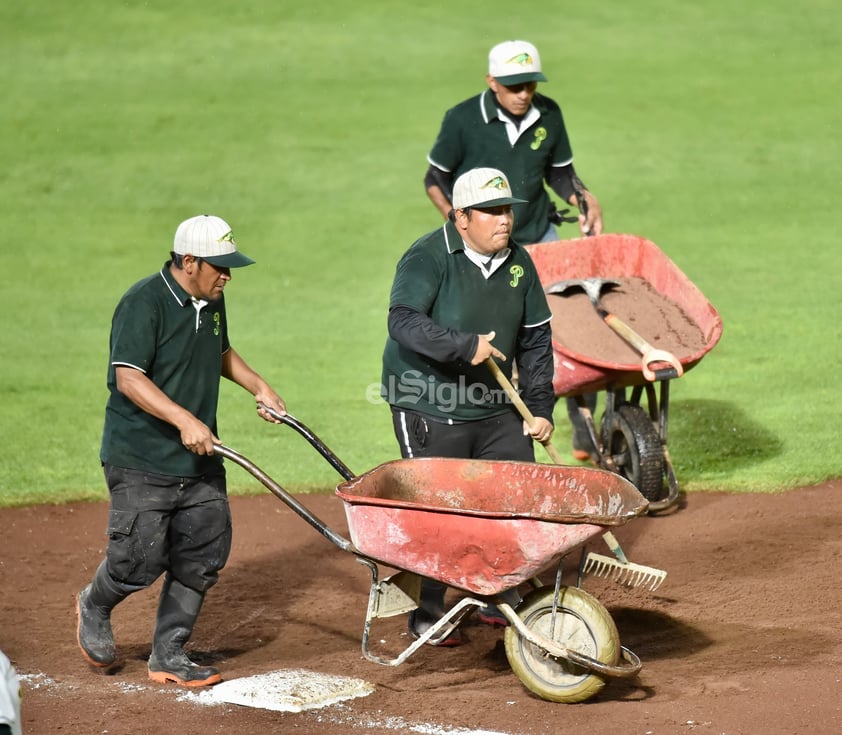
(620, 569)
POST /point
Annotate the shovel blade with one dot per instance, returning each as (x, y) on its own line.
(591, 286)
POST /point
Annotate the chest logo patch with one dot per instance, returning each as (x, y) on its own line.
(517, 272)
(540, 137)
(216, 323)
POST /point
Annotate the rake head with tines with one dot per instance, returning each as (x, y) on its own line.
(628, 573)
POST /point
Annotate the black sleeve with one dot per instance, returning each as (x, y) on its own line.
(442, 179)
(417, 332)
(535, 370)
(561, 181)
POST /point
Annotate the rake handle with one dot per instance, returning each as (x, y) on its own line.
(521, 407)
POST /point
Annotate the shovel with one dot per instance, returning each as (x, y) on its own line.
(593, 287)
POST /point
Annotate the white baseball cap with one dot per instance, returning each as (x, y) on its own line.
(483, 187)
(209, 238)
(515, 62)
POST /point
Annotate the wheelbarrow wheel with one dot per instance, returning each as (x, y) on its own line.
(581, 624)
(633, 442)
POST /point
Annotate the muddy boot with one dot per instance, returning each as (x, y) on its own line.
(93, 617)
(178, 609)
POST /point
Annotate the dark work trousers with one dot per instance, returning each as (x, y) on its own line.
(160, 523)
(498, 437)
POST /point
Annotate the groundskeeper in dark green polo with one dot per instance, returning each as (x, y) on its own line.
(473, 134)
(436, 278)
(176, 341)
(168, 510)
(462, 296)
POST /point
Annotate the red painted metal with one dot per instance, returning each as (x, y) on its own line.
(480, 525)
(618, 256)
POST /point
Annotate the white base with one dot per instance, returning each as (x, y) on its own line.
(290, 690)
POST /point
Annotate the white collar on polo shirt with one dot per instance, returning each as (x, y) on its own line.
(486, 263)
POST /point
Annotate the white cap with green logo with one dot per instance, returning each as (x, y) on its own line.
(483, 187)
(209, 238)
(515, 62)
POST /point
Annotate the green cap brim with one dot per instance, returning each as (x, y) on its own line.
(512, 79)
(499, 202)
(230, 260)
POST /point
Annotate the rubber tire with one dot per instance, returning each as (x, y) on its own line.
(633, 441)
(582, 624)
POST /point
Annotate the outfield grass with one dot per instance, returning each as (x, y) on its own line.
(710, 128)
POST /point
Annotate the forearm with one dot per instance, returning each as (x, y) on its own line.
(439, 201)
(535, 370)
(439, 186)
(418, 332)
(565, 182)
(141, 391)
(235, 369)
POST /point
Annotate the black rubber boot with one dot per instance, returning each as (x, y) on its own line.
(430, 609)
(178, 609)
(93, 617)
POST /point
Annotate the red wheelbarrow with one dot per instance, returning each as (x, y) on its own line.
(486, 527)
(632, 440)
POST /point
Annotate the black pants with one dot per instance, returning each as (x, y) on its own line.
(159, 523)
(498, 437)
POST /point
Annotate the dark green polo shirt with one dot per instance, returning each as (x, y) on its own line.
(472, 135)
(436, 278)
(158, 329)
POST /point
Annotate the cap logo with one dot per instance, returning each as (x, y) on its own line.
(524, 59)
(498, 182)
(228, 237)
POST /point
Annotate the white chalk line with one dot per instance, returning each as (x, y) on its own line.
(333, 714)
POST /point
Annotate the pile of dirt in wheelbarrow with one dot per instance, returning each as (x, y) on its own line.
(658, 319)
(742, 637)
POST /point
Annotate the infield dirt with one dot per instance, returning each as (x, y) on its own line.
(742, 638)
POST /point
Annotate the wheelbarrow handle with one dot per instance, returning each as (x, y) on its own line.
(311, 437)
(283, 495)
(521, 407)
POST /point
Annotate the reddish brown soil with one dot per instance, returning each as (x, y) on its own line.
(743, 636)
(659, 320)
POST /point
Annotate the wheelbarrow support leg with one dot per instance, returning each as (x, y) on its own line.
(438, 631)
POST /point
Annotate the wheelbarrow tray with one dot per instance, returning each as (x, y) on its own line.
(482, 526)
(619, 256)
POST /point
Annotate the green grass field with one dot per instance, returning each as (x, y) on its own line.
(710, 128)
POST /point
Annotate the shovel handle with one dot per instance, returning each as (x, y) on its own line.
(521, 407)
(650, 354)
